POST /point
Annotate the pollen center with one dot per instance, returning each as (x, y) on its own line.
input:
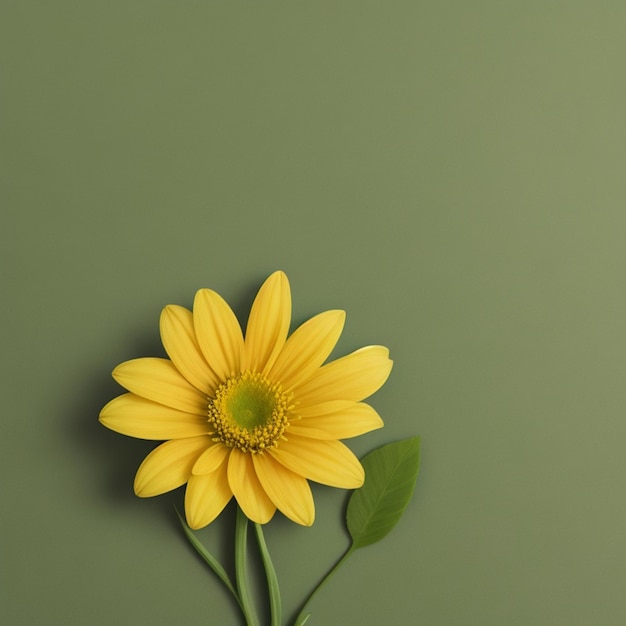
(248, 412)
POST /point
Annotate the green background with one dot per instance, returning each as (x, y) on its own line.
(450, 173)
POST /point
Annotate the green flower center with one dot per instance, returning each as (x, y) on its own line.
(248, 412)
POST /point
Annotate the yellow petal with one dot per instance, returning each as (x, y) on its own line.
(179, 339)
(206, 496)
(137, 417)
(307, 348)
(211, 460)
(169, 465)
(352, 377)
(288, 491)
(268, 323)
(324, 408)
(327, 462)
(247, 489)
(357, 420)
(158, 380)
(218, 333)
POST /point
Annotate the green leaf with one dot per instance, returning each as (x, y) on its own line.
(390, 475)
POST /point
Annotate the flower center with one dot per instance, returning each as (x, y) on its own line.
(248, 412)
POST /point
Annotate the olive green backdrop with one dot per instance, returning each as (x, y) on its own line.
(450, 173)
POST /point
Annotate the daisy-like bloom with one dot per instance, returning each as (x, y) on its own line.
(253, 417)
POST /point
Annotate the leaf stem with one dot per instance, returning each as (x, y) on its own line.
(302, 616)
(208, 558)
(272, 580)
(241, 568)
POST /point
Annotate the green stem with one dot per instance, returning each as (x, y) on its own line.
(272, 580)
(302, 616)
(241, 568)
(209, 559)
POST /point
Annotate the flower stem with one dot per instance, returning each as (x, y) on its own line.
(241, 568)
(303, 616)
(272, 580)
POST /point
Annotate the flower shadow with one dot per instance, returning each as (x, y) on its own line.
(110, 460)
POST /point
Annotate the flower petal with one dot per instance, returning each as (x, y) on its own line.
(247, 489)
(307, 348)
(206, 496)
(268, 323)
(327, 462)
(137, 417)
(289, 492)
(158, 380)
(169, 465)
(357, 420)
(179, 339)
(211, 460)
(352, 377)
(218, 333)
(324, 408)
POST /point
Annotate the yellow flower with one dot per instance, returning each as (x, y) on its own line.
(254, 417)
